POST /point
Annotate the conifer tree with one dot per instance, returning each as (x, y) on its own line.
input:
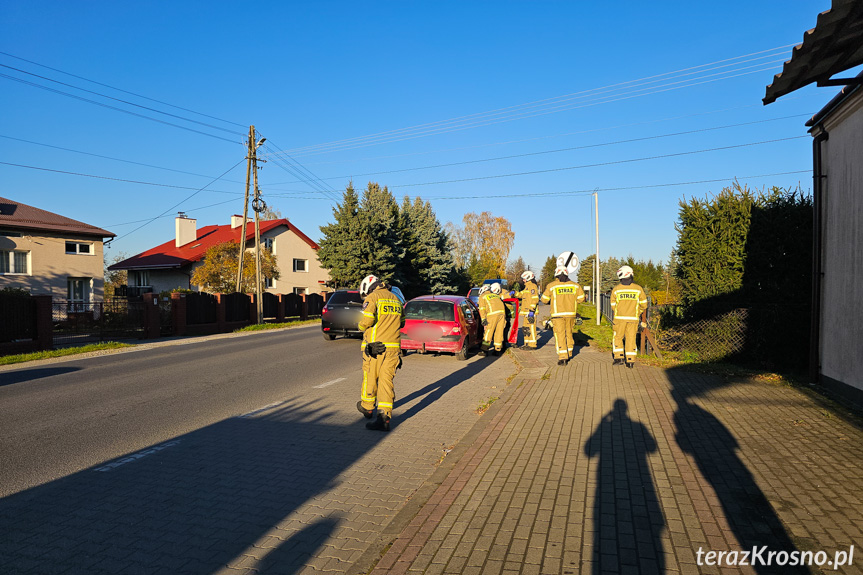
(428, 265)
(380, 246)
(339, 250)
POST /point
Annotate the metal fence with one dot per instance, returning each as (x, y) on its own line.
(200, 308)
(237, 307)
(81, 323)
(712, 338)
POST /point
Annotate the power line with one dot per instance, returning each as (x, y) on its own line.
(119, 89)
(614, 162)
(120, 100)
(111, 158)
(143, 183)
(617, 189)
(521, 108)
(306, 176)
(568, 149)
(81, 98)
(181, 202)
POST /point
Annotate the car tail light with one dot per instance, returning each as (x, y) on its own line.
(325, 310)
(456, 330)
(326, 329)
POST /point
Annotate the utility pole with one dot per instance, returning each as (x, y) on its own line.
(258, 205)
(597, 274)
(249, 159)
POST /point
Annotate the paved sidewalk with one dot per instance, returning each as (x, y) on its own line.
(592, 468)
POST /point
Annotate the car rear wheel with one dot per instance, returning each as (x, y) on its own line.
(329, 336)
(462, 355)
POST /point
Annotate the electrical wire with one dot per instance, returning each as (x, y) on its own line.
(569, 149)
(120, 89)
(292, 166)
(181, 202)
(81, 98)
(111, 158)
(598, 164)
(616, 189)
(121, 101)
(522, 108)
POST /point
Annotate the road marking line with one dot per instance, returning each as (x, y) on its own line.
(265, 408)
(323, 385)
(136, 456)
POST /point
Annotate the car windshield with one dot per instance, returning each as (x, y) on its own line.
(343, 297)
(474, 292)
(430, 310)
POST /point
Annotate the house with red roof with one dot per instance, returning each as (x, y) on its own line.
(49, 254)
(170, 265)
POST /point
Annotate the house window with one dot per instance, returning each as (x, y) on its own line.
(301, 291)
(8, 234)
(269, 283)
(78, 293)
(268, 243)
(79, 248)
(301, 265)
(12, 262)
(139, 278)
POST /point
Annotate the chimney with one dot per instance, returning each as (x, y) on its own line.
(237, 221)
(186, 228)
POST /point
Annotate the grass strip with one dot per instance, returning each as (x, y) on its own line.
(264, 326)
(22, 357)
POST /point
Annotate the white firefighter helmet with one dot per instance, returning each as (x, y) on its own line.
(495, 288)
(528, 276)
(569, 261)
(624, 272)
(367, 283)
(484, 288)
(560, 270)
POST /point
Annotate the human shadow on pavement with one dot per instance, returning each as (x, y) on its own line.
(434, 391)
(627, 519)
(232, 494)
(715, 452)
(12, 377)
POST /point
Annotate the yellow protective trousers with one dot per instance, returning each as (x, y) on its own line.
(563, 339)
(378, 374)
(494, 332)
(529, 330)
(624, 340)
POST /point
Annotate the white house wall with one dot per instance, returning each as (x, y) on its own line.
(842, 224)
(287, 246)
(50, 266)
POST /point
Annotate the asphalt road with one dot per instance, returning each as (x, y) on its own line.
(59, 418)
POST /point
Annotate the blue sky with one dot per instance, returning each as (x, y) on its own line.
(611, 84)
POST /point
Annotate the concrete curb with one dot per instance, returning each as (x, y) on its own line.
(376, 550)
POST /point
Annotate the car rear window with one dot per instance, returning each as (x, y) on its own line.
(474, 292)
(430, 310)
(342, 297)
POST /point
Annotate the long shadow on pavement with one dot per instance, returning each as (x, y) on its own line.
(434, 391)
(714, 449)
(204, 500)
(628, 520)
(12, 377)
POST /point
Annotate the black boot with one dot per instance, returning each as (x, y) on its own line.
(630, 364)
(367, 413)
(482, 353)
(617, 361)
(561, 362)
(382, 423)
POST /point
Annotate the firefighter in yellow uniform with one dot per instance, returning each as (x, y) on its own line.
(529, 297)
(628, 303)
(381, 323)
(563, 295)
(492, 312)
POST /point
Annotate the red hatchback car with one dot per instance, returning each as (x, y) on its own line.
(444, 323)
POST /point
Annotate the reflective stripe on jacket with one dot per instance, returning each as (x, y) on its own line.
(490, 304)
(563, 297)
(529, 296)
(384, 314)
(628, 302)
